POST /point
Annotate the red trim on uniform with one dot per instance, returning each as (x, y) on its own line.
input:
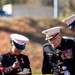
(2, 68)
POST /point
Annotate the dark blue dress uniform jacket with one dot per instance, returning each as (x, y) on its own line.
(55, 59)
(8, 59)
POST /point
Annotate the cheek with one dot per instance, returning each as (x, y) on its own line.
(58, 41)
(17, 50)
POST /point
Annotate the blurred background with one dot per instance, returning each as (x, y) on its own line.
(30, 18)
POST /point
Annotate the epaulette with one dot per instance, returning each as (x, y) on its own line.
(46, 44)
(69, 38)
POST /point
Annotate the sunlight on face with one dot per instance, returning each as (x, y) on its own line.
(55, 42)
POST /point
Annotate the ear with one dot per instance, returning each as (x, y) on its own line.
(11, 44)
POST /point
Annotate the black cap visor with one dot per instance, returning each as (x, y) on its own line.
(71, 25)
(20, 47)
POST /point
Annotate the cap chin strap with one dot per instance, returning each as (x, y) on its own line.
(52, 36)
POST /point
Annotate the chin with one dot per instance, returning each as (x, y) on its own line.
(55, 46)
(17, 53)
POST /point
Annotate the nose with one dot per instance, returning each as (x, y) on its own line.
(52, 42)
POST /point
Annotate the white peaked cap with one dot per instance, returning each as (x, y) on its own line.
(51, 32)
(69, 20)
(19, 39)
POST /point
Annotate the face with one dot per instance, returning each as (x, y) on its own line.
(73, 29)
(15, 50)
(55, 42)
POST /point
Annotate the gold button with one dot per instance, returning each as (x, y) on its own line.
(15, 56)
(65, 40)
(57, 54)
(58, 66)
(28, 69)
(58, 60)
(50, 54)
(11, 69)
(18, 69)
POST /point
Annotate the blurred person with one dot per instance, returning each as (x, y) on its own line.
(70, 21)
(58, 53)
(13, 62)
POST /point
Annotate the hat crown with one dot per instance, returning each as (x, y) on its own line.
(51, 32)
(69, 20)
(19, 39)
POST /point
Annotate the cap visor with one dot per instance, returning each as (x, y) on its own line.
(71, 25)
(51, 37)
(20, 47)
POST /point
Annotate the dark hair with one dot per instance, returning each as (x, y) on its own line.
(11, 41)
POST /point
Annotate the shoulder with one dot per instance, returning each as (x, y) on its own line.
(69, 38)
(46, 47)
(46, 44)
(2, 56)
(68, 42)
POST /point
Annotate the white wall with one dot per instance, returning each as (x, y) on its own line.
(30, 11)
(8, 8)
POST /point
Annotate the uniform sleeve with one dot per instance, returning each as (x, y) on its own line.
(3, 68)
(46, 67)
(1, 59)
(28, 65)
(1, 63)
